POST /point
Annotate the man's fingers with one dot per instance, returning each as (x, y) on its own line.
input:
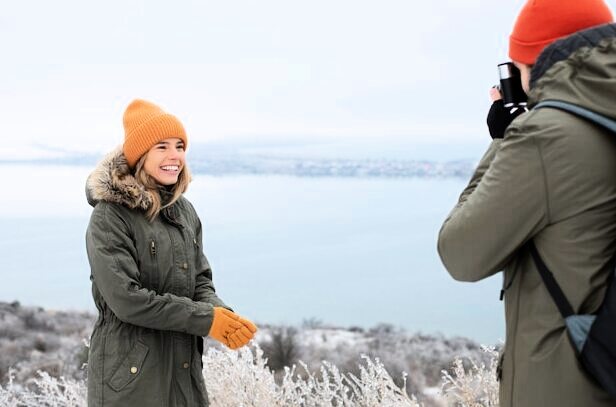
(495, 94)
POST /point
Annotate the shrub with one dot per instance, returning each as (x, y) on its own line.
(236, 378)
(282, 349)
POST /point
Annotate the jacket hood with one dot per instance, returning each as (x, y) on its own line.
(112, 181)
(579, 69)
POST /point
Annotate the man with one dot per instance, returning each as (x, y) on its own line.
(552, 179)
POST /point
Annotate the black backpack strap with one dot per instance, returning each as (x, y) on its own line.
(548, 278)
(587, 114)
(550, 283)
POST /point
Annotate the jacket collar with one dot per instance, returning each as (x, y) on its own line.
(562, 49)
(579, 69)
(113, 181)
(570, 47)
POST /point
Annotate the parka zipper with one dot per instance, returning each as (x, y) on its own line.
(507, 285)
(154, 274)
(499, 366)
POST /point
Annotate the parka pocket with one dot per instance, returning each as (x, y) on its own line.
(129, 368)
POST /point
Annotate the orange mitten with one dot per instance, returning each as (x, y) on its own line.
(224, 323)
(248, 325)
(243, 335)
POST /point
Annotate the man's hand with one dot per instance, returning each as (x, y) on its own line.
(500, 117)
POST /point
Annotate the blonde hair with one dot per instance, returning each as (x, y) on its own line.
(152, 186)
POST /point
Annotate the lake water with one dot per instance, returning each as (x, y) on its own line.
(346, 251)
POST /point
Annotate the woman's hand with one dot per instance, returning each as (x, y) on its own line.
(243, 335)
(231, 329)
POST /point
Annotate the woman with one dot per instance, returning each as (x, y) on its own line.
(151, 283)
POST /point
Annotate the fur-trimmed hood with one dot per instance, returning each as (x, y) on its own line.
(112, 181)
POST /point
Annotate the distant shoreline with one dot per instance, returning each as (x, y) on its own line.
(297, 167)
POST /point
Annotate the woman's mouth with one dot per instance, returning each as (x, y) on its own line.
(170, 169)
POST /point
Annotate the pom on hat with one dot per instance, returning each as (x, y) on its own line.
(145, 124)
(542, 22)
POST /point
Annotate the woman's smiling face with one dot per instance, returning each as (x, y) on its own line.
(165, 160)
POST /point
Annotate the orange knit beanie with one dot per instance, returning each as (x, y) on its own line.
(542, 22)
(145, 124)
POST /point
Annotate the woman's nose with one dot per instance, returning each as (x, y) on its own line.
(174, 154)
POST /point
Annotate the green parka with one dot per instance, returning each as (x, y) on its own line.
(552, 179)
(153, 289)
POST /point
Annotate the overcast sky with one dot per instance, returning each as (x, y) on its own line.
(267, 69)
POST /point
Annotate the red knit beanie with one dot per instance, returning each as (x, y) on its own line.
(542, 22)
(145, 124)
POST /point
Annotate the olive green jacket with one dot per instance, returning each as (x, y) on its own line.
(153, 289)
(552, 179)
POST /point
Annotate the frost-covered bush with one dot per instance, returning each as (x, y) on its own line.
(33, 339)
(242, 378)
(423, 357)
(44, 391)
(282, 348)
(475, 387)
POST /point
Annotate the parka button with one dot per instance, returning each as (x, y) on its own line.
(185, 266)
(133, 370)
(186, 365)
